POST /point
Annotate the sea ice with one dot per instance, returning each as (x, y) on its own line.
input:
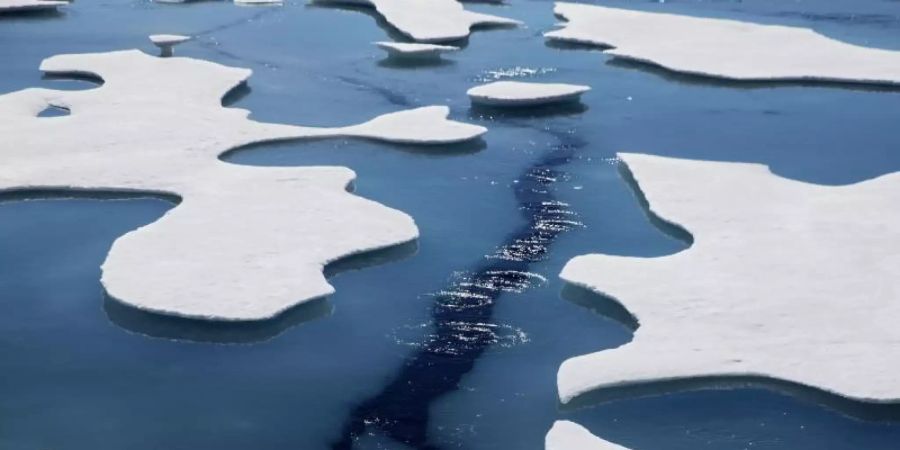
(167, 41)
(415, 51)
(29, 5)
(785, 280)
(518, 93)
(725, 48)
(565, 435)
(245, 242)
(429, 20)
(258, 2)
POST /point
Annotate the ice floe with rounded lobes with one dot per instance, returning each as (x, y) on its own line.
(428, 20)
(725, 48)
(565, 435)
(785, 281)
(520, 93)
(245, 243)
(415, 51)
(12, 6)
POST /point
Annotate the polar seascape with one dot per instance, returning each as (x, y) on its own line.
(477, 207)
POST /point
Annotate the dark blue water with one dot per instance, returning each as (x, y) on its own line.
(385, 350)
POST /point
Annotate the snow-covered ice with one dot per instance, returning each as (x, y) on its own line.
(565, 435)
(519, 93)
(245, 242)
(259, 2)
(166, 42)
(429, 20)
(785, 280)
(29, 5)
(415, 51)
(725, 48)
(236, 2)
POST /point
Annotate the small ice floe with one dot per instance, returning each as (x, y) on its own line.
(524, 94)
(12, 6)
(565, 435)
(772, 262)
(244, 243)
(259, 2)
(415, 51)
(167, 42)
(428, 20)
(724, 48)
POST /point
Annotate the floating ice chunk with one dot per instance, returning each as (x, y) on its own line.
(29, 5)
(565, 435)
(236, 2)
(518, 93)
(725, 48)
(166, 42)
(407, 51)
(785, 280)
(259, 2)
(245, 242)
(429, 20)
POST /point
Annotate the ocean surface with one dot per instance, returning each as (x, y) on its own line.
(452, 343)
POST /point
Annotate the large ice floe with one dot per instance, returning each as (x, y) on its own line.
(520, 93)
(784, 281)
(12, 6)
(565, 435)
(245, 242)
(725, 48)
(428, 20)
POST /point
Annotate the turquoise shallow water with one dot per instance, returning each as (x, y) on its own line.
(79, 373)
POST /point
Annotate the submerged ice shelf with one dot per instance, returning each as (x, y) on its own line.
(245, 243)
(567, 435)
(785, 280)
(725, 48)
(428, 20)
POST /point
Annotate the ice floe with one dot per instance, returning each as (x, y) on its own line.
(166, 42)
(245, 242)
(29, 5)
(565, 435)
(236, 2)
(725, 48)
(259, 2)
(785, 280)
(415, 51)
(519, 93)
(428, 20)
